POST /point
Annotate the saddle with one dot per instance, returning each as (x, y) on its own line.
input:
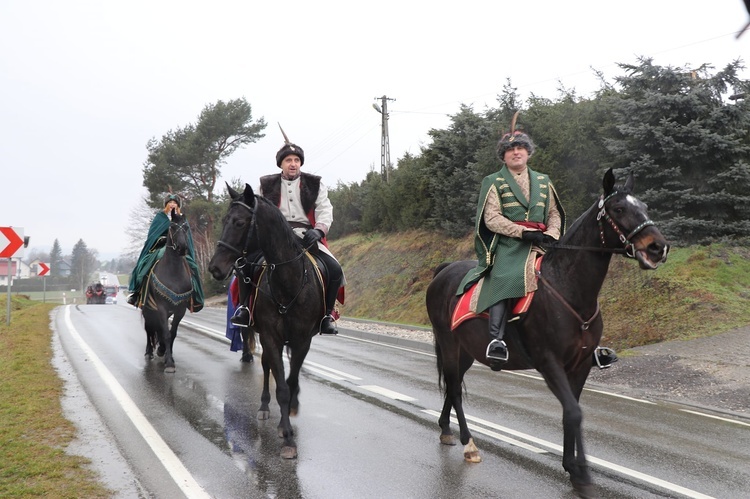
(321, 272)
(464, 312)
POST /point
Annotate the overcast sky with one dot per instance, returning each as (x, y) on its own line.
(85, 84)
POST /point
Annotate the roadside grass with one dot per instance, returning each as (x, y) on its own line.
(58, 297)
(33, 431)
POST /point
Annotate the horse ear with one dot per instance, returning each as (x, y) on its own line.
(232, 193)
(609, 182)
(249, 194)
(630, 182)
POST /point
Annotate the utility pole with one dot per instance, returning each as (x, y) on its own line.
(385, 149)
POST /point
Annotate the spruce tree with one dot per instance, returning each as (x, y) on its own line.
(689, 146)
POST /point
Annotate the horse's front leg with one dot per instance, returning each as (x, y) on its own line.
(265, 397)
(298, 358)
(289, 447)
(150, 342)
(574, 457)
(169, 365)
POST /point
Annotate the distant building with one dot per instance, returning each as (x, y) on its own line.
(63, 268)
(18, 269)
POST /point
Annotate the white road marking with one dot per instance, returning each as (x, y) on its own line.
(330, 369)
(620, 396)
(397, 347)
(716, 417)
(595, 460)
(388, 393)
(171, 462)
(321, 372)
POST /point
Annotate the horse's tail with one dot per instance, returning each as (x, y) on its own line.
(439, 268)
(439, 355)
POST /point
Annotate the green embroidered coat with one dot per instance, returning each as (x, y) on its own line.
(508, 278)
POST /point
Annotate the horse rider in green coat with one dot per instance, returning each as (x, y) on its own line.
(518, 213)
(153, 250)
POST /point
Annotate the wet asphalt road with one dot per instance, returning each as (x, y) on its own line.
(367, 425)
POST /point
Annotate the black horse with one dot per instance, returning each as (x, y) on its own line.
(169, 287)
(288, 305)
(563, 326)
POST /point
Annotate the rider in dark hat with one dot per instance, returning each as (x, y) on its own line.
(303, 200)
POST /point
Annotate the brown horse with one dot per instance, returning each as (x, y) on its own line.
(563, 326)
(289, 303)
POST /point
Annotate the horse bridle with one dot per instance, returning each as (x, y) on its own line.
(181, 226)
(628, 248)
(241, 263)
(243, 252)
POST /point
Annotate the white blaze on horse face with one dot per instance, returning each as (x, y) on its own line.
(637, 203)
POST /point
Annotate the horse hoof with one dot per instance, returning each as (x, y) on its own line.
(448, 439)
(169, 369)
(248, 359)
(149, 356)
(289, 452)
(471, 453)
(584, 490)
(263, 415)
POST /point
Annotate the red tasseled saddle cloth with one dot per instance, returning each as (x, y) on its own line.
(463, 311)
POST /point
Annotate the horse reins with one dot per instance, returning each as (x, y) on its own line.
(628, 250)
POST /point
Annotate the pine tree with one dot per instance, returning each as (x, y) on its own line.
(55, 258)
(689, 147)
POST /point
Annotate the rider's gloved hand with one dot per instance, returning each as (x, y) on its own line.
(311, 236)
(533, 236)
(548, 240)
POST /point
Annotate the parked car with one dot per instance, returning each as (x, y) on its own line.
(111, 292)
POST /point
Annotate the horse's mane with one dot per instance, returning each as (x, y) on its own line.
(277, 221)
(575, 226)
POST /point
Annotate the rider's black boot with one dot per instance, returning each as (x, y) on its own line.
(327, 325)
(241, 317)
(133, 299)
(497, 350)
(604, 357)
